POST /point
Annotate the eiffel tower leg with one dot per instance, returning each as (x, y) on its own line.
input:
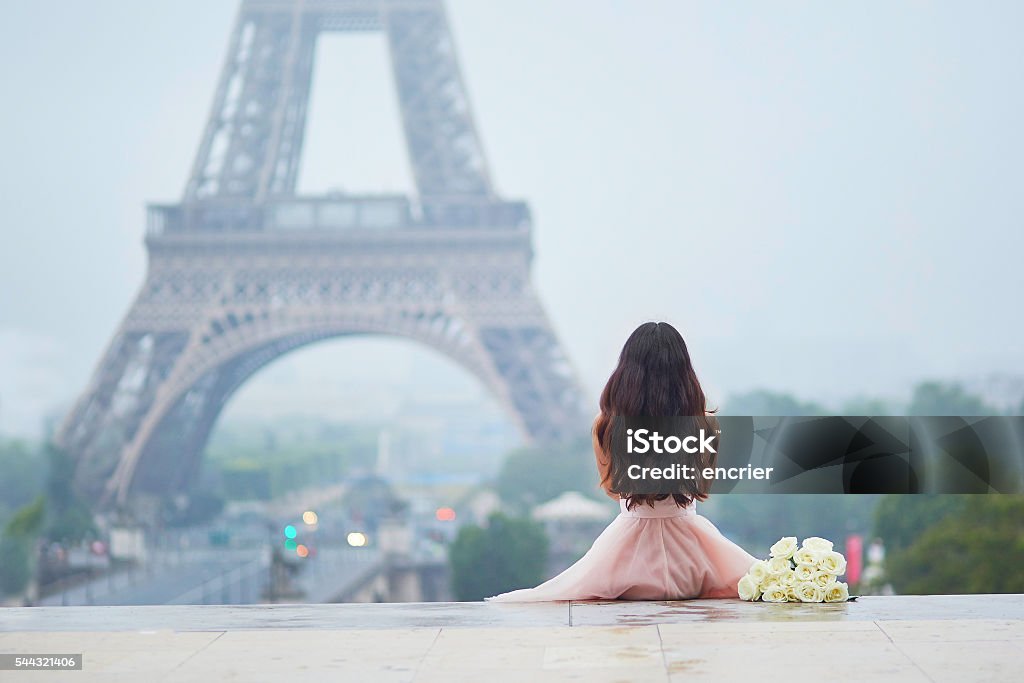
(112, 408)
(516, 335)
(539, 379)
(252, 143)
(194, 337)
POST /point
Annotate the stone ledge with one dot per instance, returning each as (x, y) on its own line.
(502, 615)
(923, 639)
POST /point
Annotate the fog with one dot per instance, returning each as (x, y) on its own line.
(825, 198)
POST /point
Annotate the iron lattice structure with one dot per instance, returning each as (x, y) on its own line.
(243, 270)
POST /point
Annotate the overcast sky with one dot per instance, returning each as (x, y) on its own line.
(826, 198)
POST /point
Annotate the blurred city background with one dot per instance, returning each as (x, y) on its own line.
(824, 199)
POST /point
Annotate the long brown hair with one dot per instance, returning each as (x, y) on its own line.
(655, 378)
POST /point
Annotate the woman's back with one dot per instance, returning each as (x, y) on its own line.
(658, 547)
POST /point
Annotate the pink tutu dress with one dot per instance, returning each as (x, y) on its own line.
(660, 553)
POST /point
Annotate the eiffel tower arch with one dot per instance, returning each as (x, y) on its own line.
(244, 270)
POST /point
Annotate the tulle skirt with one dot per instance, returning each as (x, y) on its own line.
(664, 553)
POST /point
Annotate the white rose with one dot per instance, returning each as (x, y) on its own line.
(776, 594)
(824, 580)
(818, 544)
(759, 572)
(808, 591)
(805, 572)
(832, 563)
(839, 592)
(778, 566)
(807, 556)
(784, 547)
(747, 589)
(788, 579)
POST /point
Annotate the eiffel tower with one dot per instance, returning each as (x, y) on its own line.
(244, 270)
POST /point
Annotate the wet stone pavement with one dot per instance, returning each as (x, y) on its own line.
(905, 638)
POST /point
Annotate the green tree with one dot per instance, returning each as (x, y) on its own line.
(770, 403)
(755, 521)
(23, 474)
(901, 519)
(69, 520)
(979, 550)
(15, 564)
(937, 398)
(27, 521)
(16, 543)
(875, 407)
(507, 554)
(534, 475)
(56, 514)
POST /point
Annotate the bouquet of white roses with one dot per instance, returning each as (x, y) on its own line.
(797, 573)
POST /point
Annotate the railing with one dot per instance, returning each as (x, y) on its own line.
(330, 214)
(243, 584)
(206, 216)
(334, 214)
(238, 582)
